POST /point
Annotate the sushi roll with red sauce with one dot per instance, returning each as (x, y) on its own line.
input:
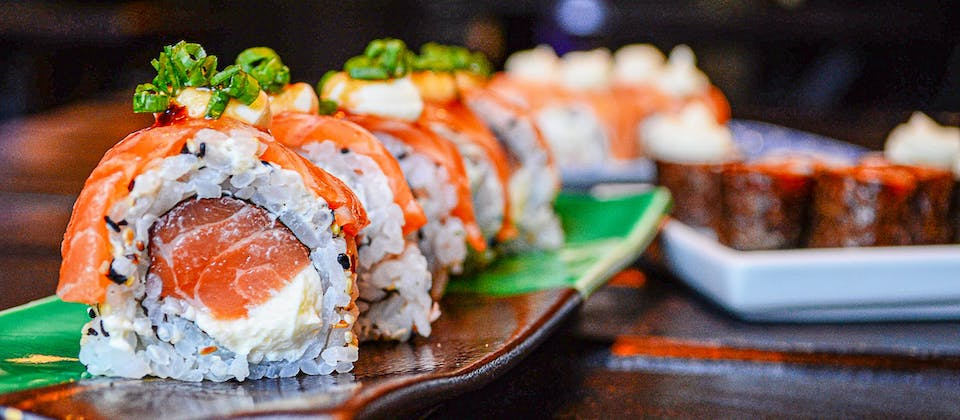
(690, 150)
(932, 152)
(206, 249)
(861, 205)
(766, 202)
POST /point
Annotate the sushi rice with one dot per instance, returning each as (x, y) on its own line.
(534, 183)
(393, 277)
(135, 332)
(443, 239)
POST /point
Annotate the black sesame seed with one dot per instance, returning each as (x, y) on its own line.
(344, 261)
(105, 333)
(130, 185)
(345, 150)
(91, 331)
(265, 163)
(402, 155)
(122, 223)
(184, 150)
(115, 276)
(113, 225)
(91, 313)
(203, 150)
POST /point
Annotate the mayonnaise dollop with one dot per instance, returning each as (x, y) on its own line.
(680, 76)
(638, 64)
(921, 141)
(280, 328)
(296, 97)
(195, 101)
(586, 70)
(540, 64)
(393, 98)
(692, 136)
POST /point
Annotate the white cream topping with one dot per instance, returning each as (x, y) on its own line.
(395, 98)
(921, 141)
(297, 97)
(540, 64)
(280, 328)
(586, 70)
(638, 64)
(195, 100)
(680, 76)
(692, 136)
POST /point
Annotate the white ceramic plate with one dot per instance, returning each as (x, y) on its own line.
(815, 285)
(818, 285)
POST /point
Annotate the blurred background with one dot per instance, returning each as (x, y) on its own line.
(848, 69)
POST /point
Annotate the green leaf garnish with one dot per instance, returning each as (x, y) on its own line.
(382, 59)
(185, 65)
(264, 64)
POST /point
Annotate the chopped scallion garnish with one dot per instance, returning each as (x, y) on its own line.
(382, 59)
(188, 65)
(328, 107)
(264, 64)
(448, 58)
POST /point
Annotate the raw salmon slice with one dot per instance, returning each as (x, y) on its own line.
(224, 254)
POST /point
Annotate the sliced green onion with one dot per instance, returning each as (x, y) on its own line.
(448, 58)
(382, 59)
(148, 99)
(328, 107)
(188, 65)
(324, 79)
(236, 84)
(264, 64)
(218, 103)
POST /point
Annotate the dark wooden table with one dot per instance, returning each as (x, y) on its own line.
(644, 345)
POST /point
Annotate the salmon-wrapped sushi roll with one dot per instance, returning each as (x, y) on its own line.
(534, 176)
(648, 83)
(484, 158)
(392, 273)
(564, 98)
(206, 249)
(376, 92)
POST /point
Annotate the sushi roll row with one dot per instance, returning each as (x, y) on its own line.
(259, 229)
(591, 105)
(905, 196)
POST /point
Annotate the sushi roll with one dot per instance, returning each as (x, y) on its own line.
(557, 93)
(375, 91)
(690, 150)
(861, 205)
(206, 249)
(765, 203)
(647, 83)
(392, 273)
(930, 151)
(484, 158)
(534, 177)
